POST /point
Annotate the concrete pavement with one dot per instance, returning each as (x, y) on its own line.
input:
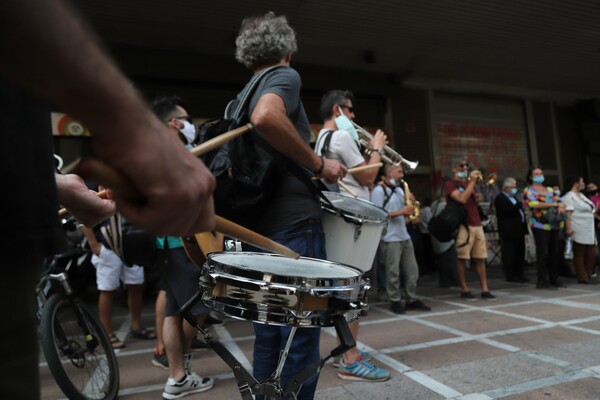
(530, 344)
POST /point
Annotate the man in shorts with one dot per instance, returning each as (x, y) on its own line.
(470, 244)
(110, 272)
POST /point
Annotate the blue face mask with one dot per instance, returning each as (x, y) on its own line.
(461, 174)
(514, 191)
(344, 124)
(538, 179)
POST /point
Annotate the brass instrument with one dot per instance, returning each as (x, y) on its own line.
(389, 156)
(416, 217)
(490, 180)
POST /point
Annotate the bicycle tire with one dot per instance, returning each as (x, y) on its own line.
(80, 372)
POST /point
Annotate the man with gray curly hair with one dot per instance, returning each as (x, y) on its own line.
(293, 216)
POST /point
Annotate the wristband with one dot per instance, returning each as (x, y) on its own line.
(318, 172)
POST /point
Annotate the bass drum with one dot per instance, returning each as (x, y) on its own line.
(273, 289)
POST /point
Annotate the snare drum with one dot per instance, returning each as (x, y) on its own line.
(352, 242)
(273, 289)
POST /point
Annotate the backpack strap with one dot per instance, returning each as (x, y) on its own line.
(326, 139)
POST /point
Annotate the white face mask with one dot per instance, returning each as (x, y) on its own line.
(461, 174)
(188, 131)
(392, 181)
(344, 124)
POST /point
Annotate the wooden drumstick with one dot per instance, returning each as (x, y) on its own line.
(357, 169)
(63, 212)
(229, 228)
(346, 188)
(364, 167)
(220, 140)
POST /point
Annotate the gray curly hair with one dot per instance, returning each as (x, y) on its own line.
(264, 40)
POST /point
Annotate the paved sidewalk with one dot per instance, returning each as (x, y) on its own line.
(530, 344)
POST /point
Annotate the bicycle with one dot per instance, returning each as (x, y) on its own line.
(78, 351)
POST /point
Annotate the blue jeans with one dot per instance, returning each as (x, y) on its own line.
(308, 241)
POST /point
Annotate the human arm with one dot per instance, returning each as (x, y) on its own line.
(463, 197)
(83, 203)
(270, 118)
(367, 177)
(77, 77)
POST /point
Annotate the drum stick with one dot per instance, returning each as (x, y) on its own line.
(229, 228)
(220, 140)
(357, 169)
(364, 167)
(63, 211)
(107, 175)
(346, 188)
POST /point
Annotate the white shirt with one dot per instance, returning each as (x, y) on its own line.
(343, 148)
(582, 218)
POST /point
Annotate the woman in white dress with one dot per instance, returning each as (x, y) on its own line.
(580, 227)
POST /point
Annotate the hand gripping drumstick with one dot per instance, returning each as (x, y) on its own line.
(205, 147)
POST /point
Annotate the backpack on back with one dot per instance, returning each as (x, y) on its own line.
(246, 169)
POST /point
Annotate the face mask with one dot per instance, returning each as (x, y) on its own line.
(461, 174)
(392, 182)
(581, 187)
(538, 179)
(514, 191)
(188, 131)
(592, 192)
(343, 123)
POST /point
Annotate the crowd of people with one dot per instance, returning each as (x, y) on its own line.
(147, 145)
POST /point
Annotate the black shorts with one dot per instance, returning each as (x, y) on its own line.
(181, 280)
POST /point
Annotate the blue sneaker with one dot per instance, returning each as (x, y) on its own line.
(362, 371)
(361, 356)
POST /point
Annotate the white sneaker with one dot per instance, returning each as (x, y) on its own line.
(191, 384)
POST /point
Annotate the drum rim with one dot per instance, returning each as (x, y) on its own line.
(353, 215)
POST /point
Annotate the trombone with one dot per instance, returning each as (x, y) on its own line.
(389, 156)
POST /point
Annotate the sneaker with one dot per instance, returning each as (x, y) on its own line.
(160, 361)
(191, 384)
(417, 305)
(362, 371)
(468, 296)
(488, 296)
(397, 307)
(198, 344)
(361, 356)
(212, 321)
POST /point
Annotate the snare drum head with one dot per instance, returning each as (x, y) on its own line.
(281, 268)
(354, 207)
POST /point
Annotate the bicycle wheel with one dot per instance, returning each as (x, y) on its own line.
(84, 366)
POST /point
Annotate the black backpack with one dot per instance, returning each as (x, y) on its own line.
(444, 226)
(246, 168)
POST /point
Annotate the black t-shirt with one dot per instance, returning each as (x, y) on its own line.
(293, 202)
(30, 228)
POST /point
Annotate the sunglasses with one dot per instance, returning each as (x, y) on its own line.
(463, 165)
(350, 108)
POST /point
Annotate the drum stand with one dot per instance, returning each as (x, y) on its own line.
(271, 388)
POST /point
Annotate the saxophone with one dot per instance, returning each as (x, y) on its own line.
(416, 217)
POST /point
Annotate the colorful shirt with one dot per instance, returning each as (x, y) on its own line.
(538, 217)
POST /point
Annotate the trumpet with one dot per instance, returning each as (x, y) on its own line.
(389, 156)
